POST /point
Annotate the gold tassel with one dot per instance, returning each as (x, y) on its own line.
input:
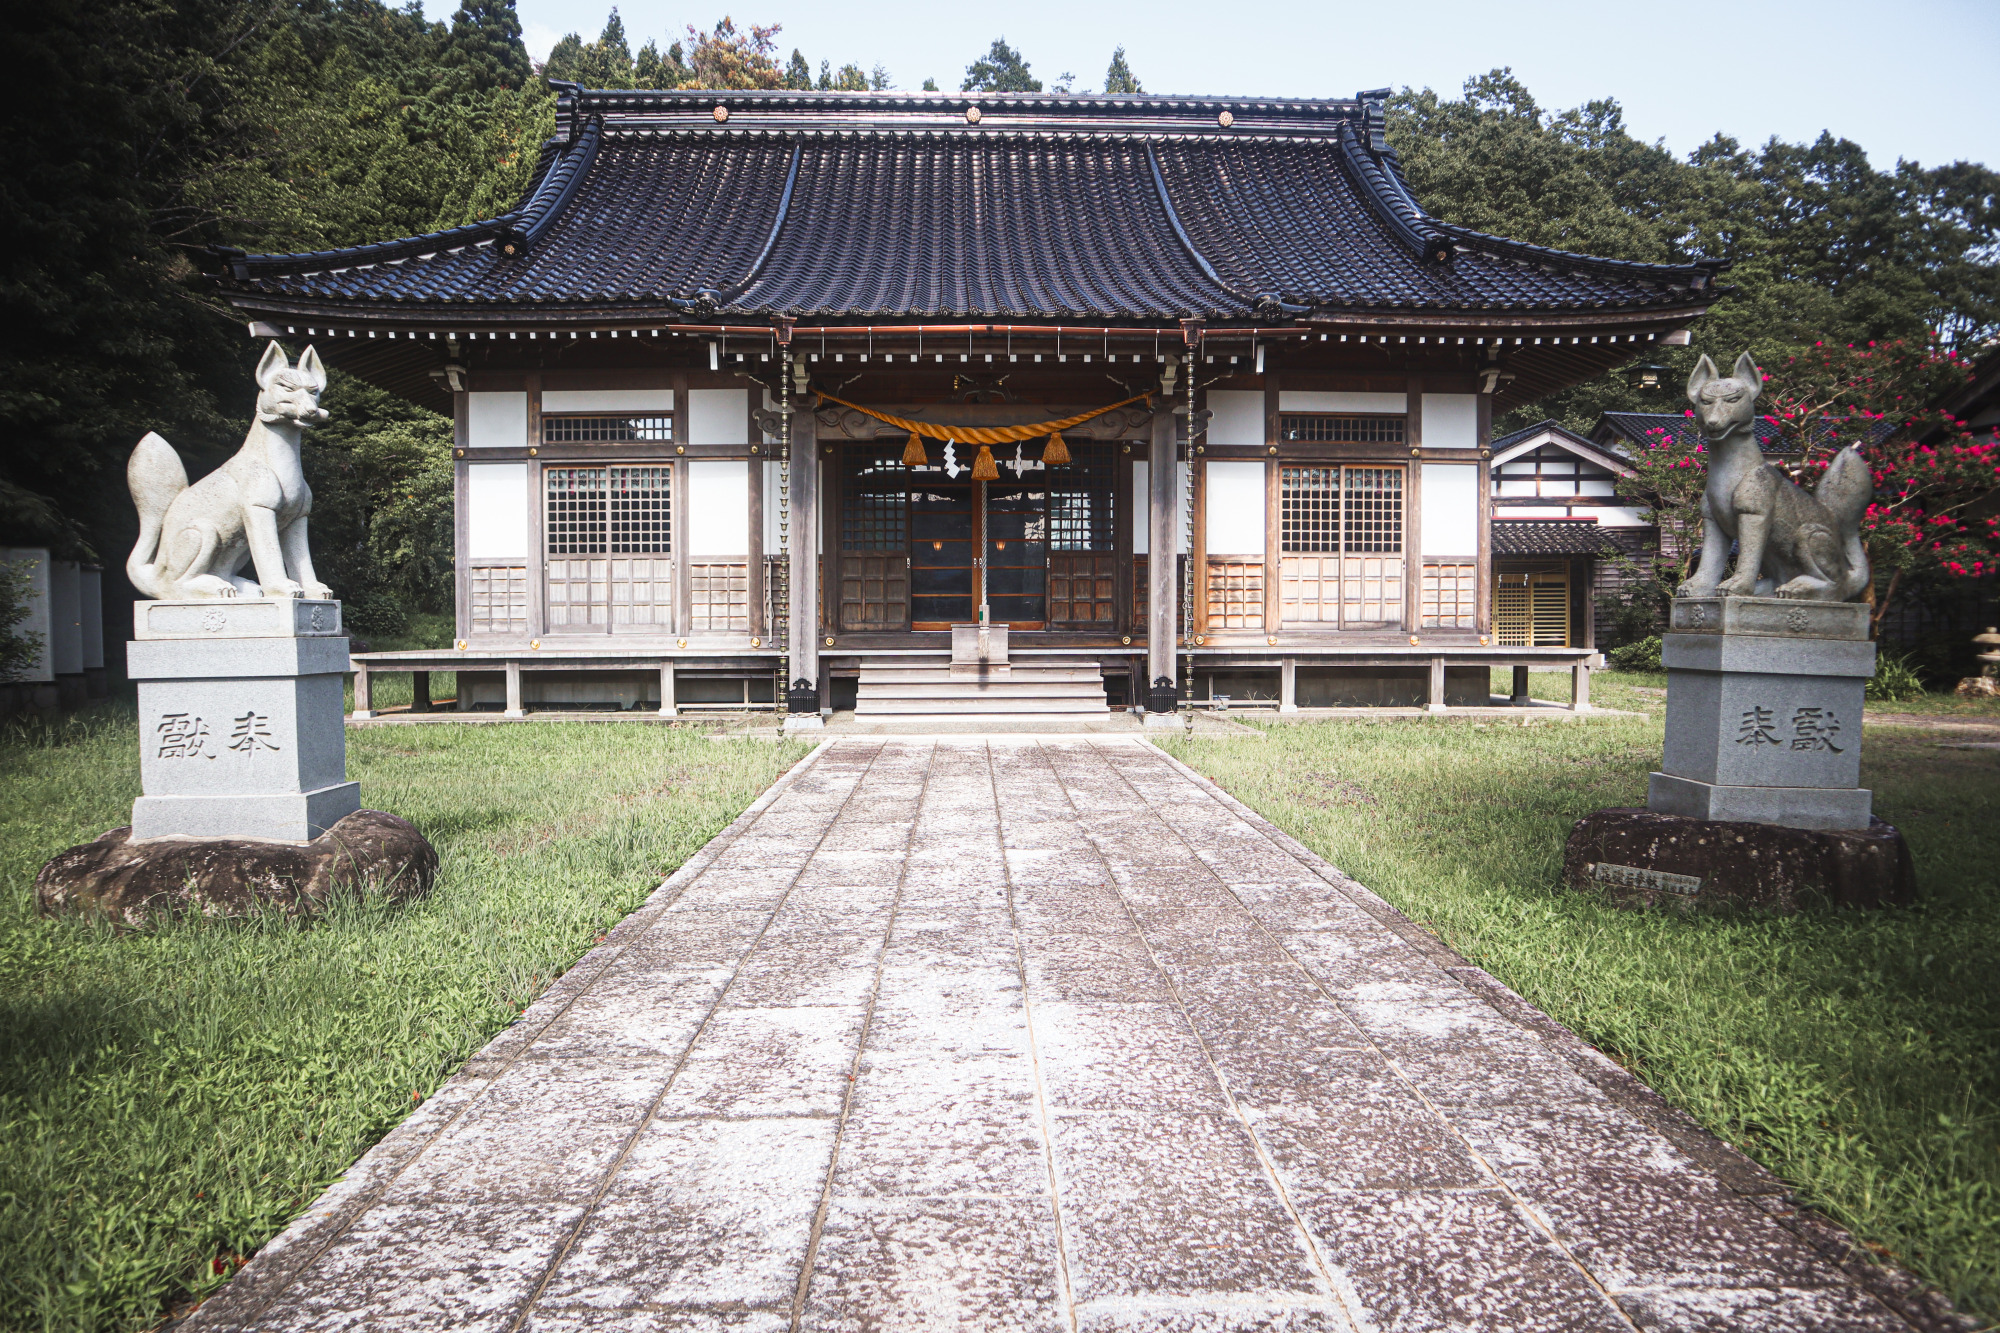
(1057, 453)
(913, 452)
(983, 467)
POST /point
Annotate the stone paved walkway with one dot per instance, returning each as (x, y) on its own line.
(1042, 1034)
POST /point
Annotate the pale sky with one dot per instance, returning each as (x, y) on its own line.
(1901, 80)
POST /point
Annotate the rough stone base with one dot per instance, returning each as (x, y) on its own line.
(126, 881)
(1639, 858)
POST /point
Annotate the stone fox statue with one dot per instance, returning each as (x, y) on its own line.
(1790, 543)
(193, 539)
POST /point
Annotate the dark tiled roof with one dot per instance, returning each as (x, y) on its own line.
(1549, 536)
(886, 206)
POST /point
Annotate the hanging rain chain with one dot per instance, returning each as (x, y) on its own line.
(781, 610)
(1187, 576)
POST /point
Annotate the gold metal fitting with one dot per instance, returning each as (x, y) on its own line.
(680, 643)
(533, 452)
(829, 641)
(536, 644)
(458, 453)
(756, 643)
(680, 448)
(1225, 120)
(1126, 639)
(721, 114)
(459, 644)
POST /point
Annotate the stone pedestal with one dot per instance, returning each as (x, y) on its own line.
(1764, 700)
(240, 728)
(979, 652)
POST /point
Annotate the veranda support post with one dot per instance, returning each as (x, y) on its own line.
(667, 705)
(803, 557)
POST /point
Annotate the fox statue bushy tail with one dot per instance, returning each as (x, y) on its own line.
(1845, 489)
(156, 476)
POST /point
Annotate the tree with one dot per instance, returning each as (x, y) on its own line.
(798, 74)
(930, 85)
(1118, 78)
(1000, 70)
(485, 48)
(878, 78)
(726, 58)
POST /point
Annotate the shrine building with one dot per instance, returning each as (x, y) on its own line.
(757, 394)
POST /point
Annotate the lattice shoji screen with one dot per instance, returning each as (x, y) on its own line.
(1448, 596)
(719, 595)
(499, 596)
(1083, 495)
(649, 428)
(1341, 546)
(1320, 428)
(610, 543)
(1235, 594)
(574, 516)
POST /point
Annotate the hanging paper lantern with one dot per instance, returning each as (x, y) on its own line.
(983, 467)
(913, 452)
(1057, 453)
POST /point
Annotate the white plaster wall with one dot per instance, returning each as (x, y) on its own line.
(496, 505)
(1301, 400)
(718, 508)
(607, 400)
(1451, 421)
(1142, 508)
(65, 618)
(1450, 509)
(1238, 416)
(37, 621)
(718, 416)
(1234, 508)
(496, 420)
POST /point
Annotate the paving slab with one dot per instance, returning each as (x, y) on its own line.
(1044, 1033)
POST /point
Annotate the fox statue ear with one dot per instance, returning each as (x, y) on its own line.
(1746, 371)
(309, 364)
(273, 361)
(1704, 371)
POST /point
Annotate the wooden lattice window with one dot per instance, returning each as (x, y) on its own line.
(575, 516)
(1082, 500)
(719, 595)
(1329, 428)
(499, 597)
(1448, 595)
(1235, 594)
(1531, 606)
(874, 501)
(1341, 546)
(609, 510)
(650, 428)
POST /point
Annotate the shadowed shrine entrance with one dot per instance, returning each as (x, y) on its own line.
(920, 547)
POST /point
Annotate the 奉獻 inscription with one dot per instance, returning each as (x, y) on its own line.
(1811, 728)
(1638, 877)
(186, 736)
(252, 733)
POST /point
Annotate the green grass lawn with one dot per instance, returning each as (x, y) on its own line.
(172, 1098)
(1855, 1054)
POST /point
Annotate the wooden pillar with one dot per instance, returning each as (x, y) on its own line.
(1164, 544)
(1288, 685)
(364, 692)
(514, 708)
(667, 706)
(1579, 686)
(1436, 704)
(1521, 686)
(804, 551)
(420, 692)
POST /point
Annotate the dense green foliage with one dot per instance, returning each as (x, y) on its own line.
(1850, 1052)
(174, 1097)
(1823, 246)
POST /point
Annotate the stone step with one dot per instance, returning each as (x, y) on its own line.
(963, 707)
(940, 693)
(916, 675)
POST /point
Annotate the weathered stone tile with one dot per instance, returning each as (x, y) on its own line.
(654, 1018)
(1165, 1204)
(1358, 953)
(889, 1077)
(813, 907)
(1452, 1260)
(1299, 902)
(1088, 968)
(696, 937)
(1228, 1313)
(657, 1319)
(703, 1214)
(1108, 1056)
(547, 1130)
(981, 935)
(1070, 909)
(1697, 1309)
(921, 1264)
(1209, 937)
(468, 1267)
(835, 866)
(1360, 1132)
(1463, 1054)
(790, 970)
(1164, 887)
(735, 889)
(768, 1062)
(985, 1141)
(1056, 866)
